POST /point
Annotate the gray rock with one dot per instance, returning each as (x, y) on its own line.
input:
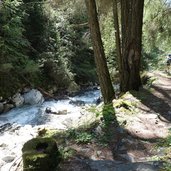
(77, 102)
(1, 107)
(127, 157)
(1, 163)
(7, 107)
(18, 100)
(107, 165)
(169, 112)
(76, 165)
(99, 130)
(161, 151)
(3, 145)
(8, 159)
(33, 97)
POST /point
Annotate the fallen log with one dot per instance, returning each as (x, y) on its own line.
(46, 94)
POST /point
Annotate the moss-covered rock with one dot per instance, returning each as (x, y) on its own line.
(40, 154)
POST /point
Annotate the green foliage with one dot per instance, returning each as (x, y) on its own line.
(13, 47)
(152, 59)
(123, 103)
(126, 104)
(66, 152)
(109, 114)
(83, 137)
(156, 34)
(8, 83)
(67, 60)
(80, 136)
(42, 46)
(166, 167)
(166, 142)
(73, 47)
(108, 36)
(12, 43)
(147, 80)
(157, 20)
(96, 110)
(56, 74)
(36, 26)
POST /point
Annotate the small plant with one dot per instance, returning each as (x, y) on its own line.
(166, 142)
(79, 136)
(95, 110)
(84, 137)
(147, 80)
(166, 167)
(66, 152)
(102, 140)
(151, 81)
(71, 133)
(122, 103)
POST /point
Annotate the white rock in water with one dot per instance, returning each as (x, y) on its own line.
(8, 159)
(33, 97)
(1, 163)
(18, 100)
(3, 144)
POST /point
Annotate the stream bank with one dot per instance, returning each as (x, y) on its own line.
(23, 123)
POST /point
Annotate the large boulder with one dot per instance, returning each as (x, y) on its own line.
(40, 154)
(18, 100)
(33, 97)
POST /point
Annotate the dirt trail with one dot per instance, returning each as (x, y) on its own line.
(152, 121)
(158, 99)
(162, 90)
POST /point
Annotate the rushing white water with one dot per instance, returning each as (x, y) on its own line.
(36, 115)
(24, 122)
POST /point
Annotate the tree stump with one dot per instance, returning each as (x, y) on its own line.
(40, 154)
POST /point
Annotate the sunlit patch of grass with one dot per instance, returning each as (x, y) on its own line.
(127, 104)
(96, 110)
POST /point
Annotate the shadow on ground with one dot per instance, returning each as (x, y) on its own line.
(106, 165)
(156, 100)
(100, 156)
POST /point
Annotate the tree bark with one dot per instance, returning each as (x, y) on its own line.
(131, 20)
(117, 38)
(100, 60)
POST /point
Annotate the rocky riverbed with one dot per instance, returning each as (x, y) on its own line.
(23, 123)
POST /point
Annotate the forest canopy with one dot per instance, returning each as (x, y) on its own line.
(47, 43)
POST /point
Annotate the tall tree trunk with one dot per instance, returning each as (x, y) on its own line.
(117, 38)
(101, 64)
(131, 20)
